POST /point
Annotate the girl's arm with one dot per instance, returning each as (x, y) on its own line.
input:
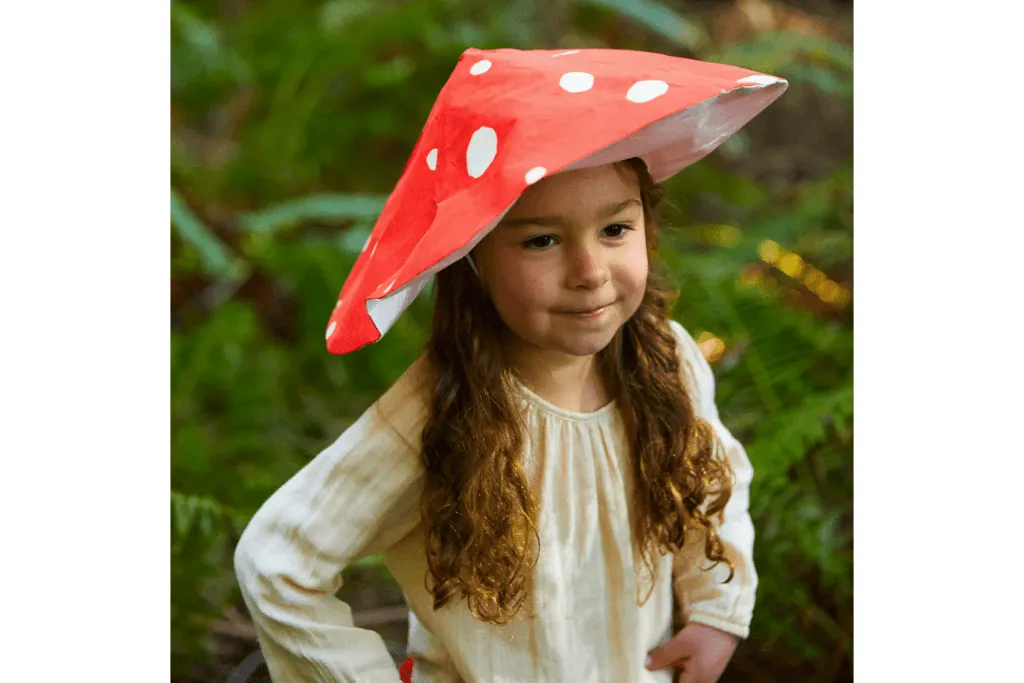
(357, 497)
(725, 606)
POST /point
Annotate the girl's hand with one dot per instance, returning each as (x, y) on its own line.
(701, 651)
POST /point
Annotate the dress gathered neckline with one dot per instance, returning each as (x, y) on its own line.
(549, 407)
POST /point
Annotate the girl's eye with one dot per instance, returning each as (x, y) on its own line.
(619, 229)
(538, 242)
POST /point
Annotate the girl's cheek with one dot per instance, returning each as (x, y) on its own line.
(532, 280)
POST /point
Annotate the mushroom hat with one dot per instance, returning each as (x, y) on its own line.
(507, 118)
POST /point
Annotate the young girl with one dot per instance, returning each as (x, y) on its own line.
(551, 473)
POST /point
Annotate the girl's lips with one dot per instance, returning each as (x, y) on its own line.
(591, 315)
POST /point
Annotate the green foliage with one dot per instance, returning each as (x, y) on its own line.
(202, 534)
(215, 257)
(292, 120)
(320, 207)
(677, 28)
(816, 60)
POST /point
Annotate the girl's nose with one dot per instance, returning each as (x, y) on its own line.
(587, 268)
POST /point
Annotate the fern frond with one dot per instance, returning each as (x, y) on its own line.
(786, 438)
(192, 514)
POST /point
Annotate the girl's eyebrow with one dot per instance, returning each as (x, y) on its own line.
(556, 221)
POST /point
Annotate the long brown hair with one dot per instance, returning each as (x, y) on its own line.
(477, 506)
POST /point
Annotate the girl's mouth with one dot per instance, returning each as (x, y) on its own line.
(592, 314)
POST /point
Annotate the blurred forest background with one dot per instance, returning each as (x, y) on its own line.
(291, 122)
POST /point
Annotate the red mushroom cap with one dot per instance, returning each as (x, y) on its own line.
(507, 118)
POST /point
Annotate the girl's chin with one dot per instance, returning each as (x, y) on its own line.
(583, 344)
(569, 337)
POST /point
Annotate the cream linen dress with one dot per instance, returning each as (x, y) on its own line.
(361, 496)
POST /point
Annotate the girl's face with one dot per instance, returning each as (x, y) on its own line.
(567, 266)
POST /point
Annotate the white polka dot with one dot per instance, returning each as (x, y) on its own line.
(758, 80)
(576, 81)
(330, 329)
(480, 67)
(645, 91)
(535, 174)
(432, 159)
(483, 147)
(337, 304)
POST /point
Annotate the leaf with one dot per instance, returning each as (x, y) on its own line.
(181, 511)
(192, 512)
(216, 257)
(339, 15)
(822, 79)
(325, 207)
(204, 45)
(375, 560)
(786, 438)
(390, 74)
(681, 30)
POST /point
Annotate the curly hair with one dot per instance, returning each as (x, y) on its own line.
(477, 506)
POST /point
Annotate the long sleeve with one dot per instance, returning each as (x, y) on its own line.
(725, 606)
(357, 497)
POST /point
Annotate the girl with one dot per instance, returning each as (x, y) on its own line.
(551, 473)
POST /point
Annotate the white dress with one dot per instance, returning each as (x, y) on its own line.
(361, 496)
